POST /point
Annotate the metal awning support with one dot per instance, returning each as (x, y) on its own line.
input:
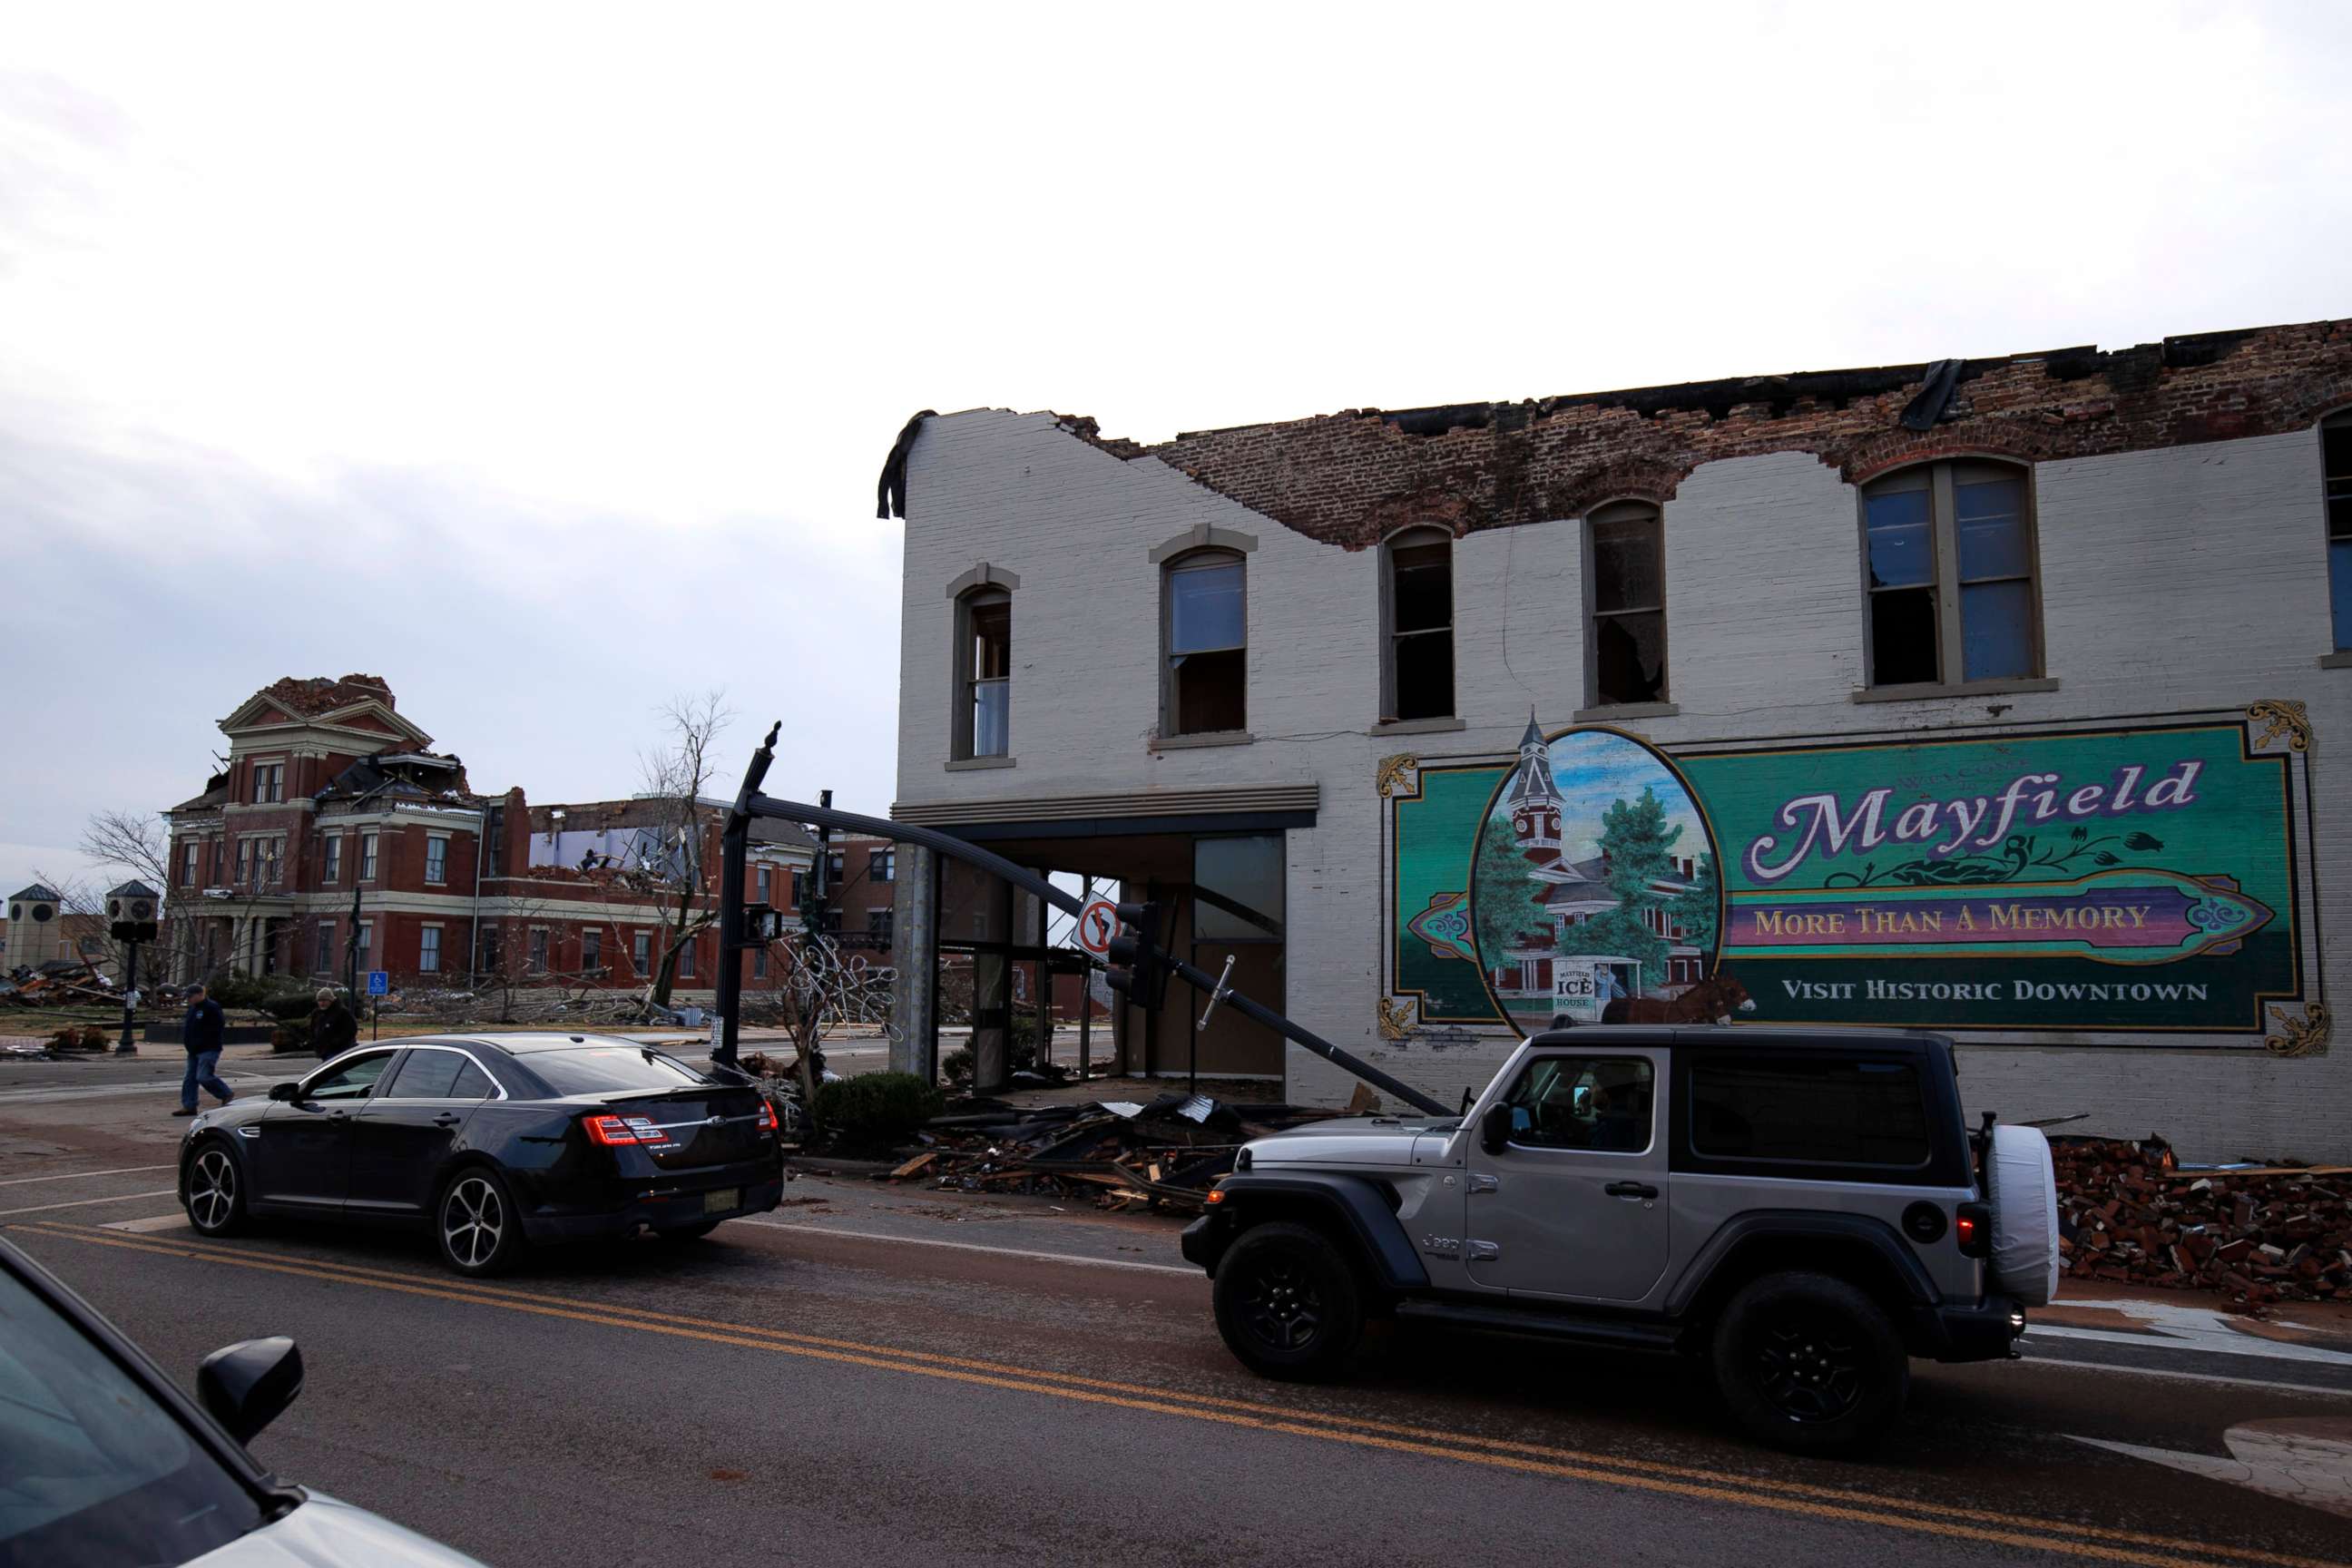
(735, 842)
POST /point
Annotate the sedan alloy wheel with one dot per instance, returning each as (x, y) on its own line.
(474, 1221)
(212, 1191)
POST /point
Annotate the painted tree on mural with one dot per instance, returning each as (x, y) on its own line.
(1635, 840)
(1503, 895)
(1694, 908)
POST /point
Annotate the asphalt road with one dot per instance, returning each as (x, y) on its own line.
(876, 1375)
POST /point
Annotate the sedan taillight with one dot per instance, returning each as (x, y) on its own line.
(612, 1132)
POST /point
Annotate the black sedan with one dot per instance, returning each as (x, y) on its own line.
(493, 1142)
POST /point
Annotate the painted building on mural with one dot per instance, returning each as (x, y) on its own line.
(1991, 696)
(332, 814)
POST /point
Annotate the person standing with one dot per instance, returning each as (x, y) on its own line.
(199, 1035)
(333, 1029)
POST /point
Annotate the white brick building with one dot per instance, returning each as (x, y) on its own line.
(2090, 571)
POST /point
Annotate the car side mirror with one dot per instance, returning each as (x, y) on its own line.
(1494, 1129)
(247, 1386)
(285, 1091)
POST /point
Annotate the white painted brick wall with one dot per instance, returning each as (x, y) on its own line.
(2178, 580)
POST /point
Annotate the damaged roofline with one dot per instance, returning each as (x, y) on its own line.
(1780, 391)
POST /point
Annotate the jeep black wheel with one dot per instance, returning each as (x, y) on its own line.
(1810, 1363)
(1287, 1302)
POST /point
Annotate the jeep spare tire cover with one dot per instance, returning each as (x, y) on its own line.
(2024, 1214)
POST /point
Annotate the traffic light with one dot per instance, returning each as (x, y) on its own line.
(1134, 970)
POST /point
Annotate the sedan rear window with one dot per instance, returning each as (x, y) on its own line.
(1817, 1111)
(605, 1069)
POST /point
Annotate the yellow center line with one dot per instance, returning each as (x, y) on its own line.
(1498, 1453)
(500, 1295)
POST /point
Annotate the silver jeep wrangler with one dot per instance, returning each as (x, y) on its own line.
(1807, 1211)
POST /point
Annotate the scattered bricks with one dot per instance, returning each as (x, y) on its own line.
(2258, 1235)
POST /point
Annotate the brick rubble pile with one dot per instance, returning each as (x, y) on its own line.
(2271, 1233)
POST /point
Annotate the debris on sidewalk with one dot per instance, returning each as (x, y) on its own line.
(60, 983)
(1121, 1154)
(2260, 1233)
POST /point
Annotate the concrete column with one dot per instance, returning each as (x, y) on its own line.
(914, 979)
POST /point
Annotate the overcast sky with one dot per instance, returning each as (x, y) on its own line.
(542, 360)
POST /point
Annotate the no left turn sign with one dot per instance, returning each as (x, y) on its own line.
(1097, 923)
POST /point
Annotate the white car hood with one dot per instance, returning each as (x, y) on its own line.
(1384, 1140)
(326, 1534)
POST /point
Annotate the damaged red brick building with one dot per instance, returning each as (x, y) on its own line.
(334, 813)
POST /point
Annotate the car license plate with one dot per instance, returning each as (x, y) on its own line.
(723, 1200)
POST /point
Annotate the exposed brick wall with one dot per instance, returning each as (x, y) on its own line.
(1351, 479)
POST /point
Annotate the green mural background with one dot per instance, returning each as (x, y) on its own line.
(2054, 912)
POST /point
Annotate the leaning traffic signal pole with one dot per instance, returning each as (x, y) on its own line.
(751, 803)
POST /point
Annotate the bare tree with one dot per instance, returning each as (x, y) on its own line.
(817, 986)
(131, 841)
(676, 778)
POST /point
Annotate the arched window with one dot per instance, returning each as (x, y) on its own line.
(1417, 606)
(983, 673)
(1204, 627)
(1949, 568)
(1626, 594)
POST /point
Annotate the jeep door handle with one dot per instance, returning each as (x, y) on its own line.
(1630, 1189)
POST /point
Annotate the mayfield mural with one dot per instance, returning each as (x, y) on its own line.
(2134, 883)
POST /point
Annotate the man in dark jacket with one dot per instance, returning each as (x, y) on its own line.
(333, 1030)
(200, 1036)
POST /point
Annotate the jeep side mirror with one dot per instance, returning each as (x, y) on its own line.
(285, 1091)
(247, 1386)
(1494, 1129)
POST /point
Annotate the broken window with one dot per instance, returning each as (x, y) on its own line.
(984, 674)
(1206, 635)
(1950, 559)
(1629, 605)
(2336, 451)
(1419, 606)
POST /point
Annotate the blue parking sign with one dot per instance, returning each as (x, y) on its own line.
(379, 983)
